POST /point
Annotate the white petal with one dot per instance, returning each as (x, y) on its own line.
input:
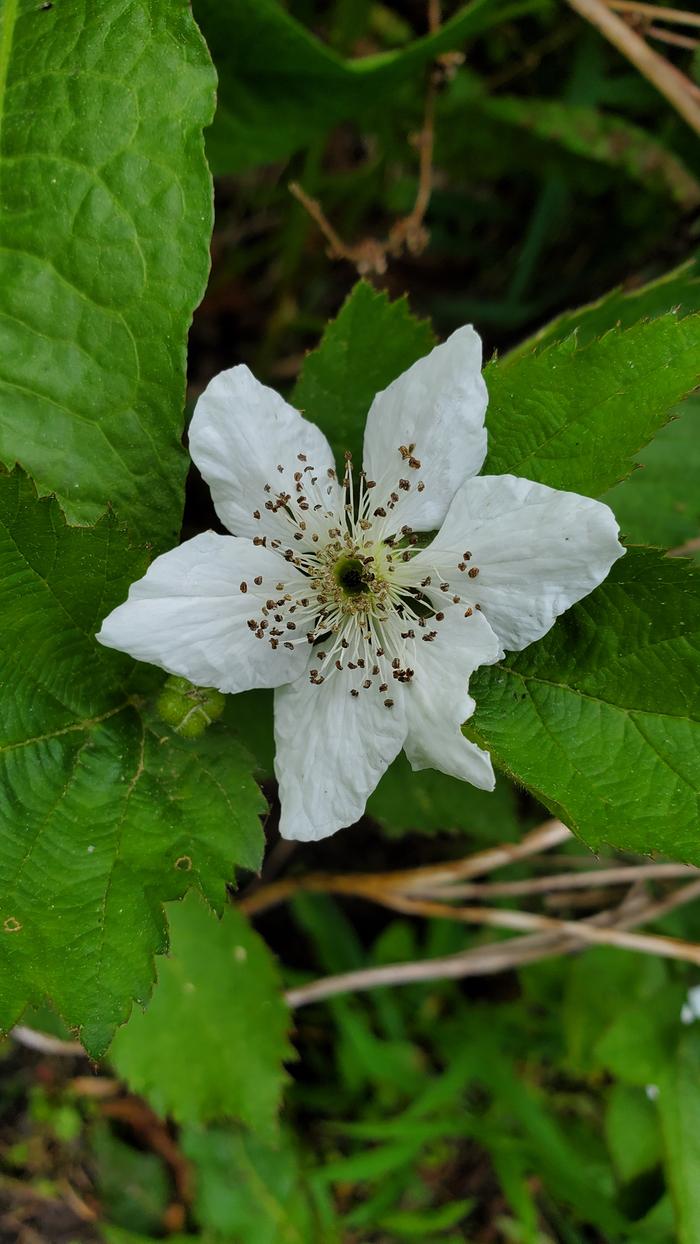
(189, 616)
(538, 551)
(438, 406)
(240, 435)
(438, 701)
(331, 750)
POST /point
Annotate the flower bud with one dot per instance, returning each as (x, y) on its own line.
(187, 709)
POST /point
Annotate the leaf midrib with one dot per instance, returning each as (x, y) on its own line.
(7, 31)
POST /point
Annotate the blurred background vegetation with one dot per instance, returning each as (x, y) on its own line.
(558, 1103)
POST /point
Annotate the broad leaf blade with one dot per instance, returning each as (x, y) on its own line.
(574, 417)
(600, 718)
(660, 504)
(218, 1009)
(107, 213)
(103, 813)
(370, 343)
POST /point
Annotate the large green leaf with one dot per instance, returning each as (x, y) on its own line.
(600, 718)
(211, 1044)
(660, 504)
(103, 812)
(280, 87)
(371, 341)
(573, 417)
(106, 210)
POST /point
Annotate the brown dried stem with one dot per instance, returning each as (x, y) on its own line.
(375, 885)
(656, 12)
(680, 92)
(409, 232)
(503, 956)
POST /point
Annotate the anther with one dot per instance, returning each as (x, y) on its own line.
(244, 587)
(257, 580)
(473, 572)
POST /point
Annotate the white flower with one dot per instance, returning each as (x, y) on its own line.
(325, 593)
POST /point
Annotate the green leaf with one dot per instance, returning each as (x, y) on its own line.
(104, 812)
(211, 1044)
(660, 504)
(281, 88)
(642, 1039)
(678, 290)
(593, 135)
(598, 987)
(107, 213)
(250, 1191)
(600, 718)
(632, 1132)
(133, 1186)
(573, 417)
(429, 803)
(679, 1109)
(370, 343)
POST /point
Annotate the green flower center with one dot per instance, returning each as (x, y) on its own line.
(351, 575)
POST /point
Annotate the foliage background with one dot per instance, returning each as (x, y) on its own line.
(558, 1102)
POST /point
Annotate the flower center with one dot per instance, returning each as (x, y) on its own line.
(351, 576)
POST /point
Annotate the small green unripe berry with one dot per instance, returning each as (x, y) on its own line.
(188, 709)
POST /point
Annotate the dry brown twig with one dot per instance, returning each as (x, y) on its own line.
(681, 93)
(369, 255)
(429, 892)
(657, 12)
(607, 928)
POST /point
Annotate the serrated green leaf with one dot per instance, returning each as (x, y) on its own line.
(280, 87)
(104, 813)
(212, 1042)
(574, 417)
(107, 213)
(370, 343)
(678, 290)
(600, 718)
(660, 504)
(428, 802)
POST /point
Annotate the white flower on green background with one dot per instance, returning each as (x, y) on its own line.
(325, 592)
